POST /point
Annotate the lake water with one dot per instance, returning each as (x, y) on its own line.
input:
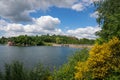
(31, 56)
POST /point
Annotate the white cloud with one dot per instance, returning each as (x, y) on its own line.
(87, 32)
(47, 22)
(15, 27)
(18, 11)
(78, 7)
(82, 4)
(42, 25)
(96, 0)
(45, 25)
(3, 24)
(94, 15)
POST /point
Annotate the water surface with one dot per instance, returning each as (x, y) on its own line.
(31, 56)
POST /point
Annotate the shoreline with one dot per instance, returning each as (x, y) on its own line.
(63, 45)
(73, 45)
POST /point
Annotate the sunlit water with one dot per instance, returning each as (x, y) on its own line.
(31, 56)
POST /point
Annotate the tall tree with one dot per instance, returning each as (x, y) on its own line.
(109, 18)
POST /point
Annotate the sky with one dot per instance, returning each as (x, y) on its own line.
(39, 17)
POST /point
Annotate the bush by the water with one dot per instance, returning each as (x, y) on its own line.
(16, 71)
(103, 62)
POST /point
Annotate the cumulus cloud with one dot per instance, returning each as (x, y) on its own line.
(82, 4)
(87, 32)
(42, 25)
(45, 25)
(94, 15)
(44, 21)
(18, 11)
(78, 7)
(15, 27)
(15, 10)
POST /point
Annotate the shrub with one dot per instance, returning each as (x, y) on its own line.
(40, 73)
(103, 62)
(66, 71)
(16, 71)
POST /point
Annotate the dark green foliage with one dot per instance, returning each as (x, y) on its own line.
(7, 72)
(1, 76)
(16, 71)
(66, 71)
(114, 76)
(86, 41)
(39, 73)
(3, 40)
(109, 19)
(24, 40)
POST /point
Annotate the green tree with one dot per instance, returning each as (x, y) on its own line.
(3, 40)
(109, 19)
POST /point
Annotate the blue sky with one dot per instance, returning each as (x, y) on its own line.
(36, 17)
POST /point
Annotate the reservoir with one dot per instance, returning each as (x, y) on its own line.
(31, 56)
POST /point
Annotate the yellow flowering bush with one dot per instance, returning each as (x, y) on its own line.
(81, 74)
(103, 60)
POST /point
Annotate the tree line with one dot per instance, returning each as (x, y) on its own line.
(25, 40)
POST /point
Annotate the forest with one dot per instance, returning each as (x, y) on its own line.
(24, 40)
